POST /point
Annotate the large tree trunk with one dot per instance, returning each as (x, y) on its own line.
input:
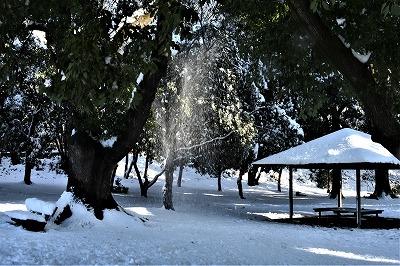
(90, 174)
(377, 104)
(382, 184)
(336, 177)
(90, 164)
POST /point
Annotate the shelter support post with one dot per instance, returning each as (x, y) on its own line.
(340, 198)
(290, 192)
(358, 188)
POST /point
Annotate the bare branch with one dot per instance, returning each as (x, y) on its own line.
(205, 142)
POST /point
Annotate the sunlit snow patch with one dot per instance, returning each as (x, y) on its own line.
(12, 207)
(349, 255)
(140, 211)
(108, 143)
(275, 215)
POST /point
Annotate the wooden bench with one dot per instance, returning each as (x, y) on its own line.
(342, 210)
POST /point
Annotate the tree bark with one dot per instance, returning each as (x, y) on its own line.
(257, 181)
(29, 151)
(15, 159)
(91, 164)
(251, 176)
(219, 176)
(114, 172)
(129, 169)
(179, 181)
(279, 179)
(382, 184)
(239, 184)
(126, 166)
(28, 171)
(90, 173)
(167, 190)
(336, 177)
(328, 184)
(377, 104)
(146, 184)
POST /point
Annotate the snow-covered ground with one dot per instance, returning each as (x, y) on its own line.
(208, 227)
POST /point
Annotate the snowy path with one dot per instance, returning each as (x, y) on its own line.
(208, 227)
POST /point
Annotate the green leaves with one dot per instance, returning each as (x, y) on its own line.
(391, 8)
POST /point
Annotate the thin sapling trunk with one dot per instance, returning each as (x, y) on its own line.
(179, 180)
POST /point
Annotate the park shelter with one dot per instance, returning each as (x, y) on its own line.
(343, 149)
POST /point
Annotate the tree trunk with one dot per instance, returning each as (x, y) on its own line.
(90, 174)
(28, 170)
(219, 176)
(29, 151)
(377, 104)
(126, 165)
(90, 164)
(167, 190)
(328, 184)
(15, 159)
(336, 177)
(129, 169)
(144, 187)
(258, 176)
(113, 175)
(382, 184)
(239, 184)
(179, 181)
(251, 176)
(279, 179)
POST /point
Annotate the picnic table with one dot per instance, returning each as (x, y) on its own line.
(341, 210)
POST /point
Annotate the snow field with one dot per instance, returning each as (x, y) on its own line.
(208, 227)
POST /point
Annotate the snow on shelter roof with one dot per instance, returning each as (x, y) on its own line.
(345, 149)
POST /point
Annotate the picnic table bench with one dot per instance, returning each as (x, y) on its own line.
(341, 210)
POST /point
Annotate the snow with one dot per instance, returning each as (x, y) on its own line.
(208, 227)
(40, 38)
(343, 146)
(22, 215)
(340, 21)
(293, 123)
(108, 143)
(139, 78)
(107, 60)
(40, 206)
(363, 58)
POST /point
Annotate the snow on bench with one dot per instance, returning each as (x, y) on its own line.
(28, 220)
(340, 210)
(23, 215)
(39, 206)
